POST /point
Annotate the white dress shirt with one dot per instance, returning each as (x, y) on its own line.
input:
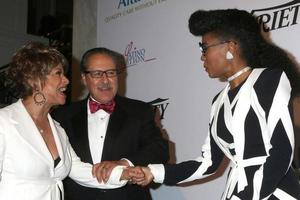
(97, 126)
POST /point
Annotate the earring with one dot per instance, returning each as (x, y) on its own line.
(39, 98)
(229, 55)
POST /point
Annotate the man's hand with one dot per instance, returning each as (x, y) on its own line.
(103, 170)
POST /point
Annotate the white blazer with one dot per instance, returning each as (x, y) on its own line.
(26, 166)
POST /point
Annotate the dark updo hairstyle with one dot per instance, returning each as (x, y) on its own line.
(117, 58)
(33, 62)
(242, 27)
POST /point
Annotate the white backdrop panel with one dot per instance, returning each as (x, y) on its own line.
(167, 65)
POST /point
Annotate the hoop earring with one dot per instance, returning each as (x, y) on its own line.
(229, 55)
(39, 98)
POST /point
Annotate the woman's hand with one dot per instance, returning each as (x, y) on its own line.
(140, 175)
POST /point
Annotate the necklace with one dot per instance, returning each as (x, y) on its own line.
(39, 128)
(237, 74)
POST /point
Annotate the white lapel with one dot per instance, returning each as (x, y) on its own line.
(243, 102)
(214, 120)
(28, 131)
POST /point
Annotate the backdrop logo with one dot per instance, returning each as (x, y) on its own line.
(124, 3)
(160, 105)
(128, 7)
(135, 56)
(277, 17)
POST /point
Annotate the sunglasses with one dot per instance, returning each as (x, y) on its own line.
(204, 48)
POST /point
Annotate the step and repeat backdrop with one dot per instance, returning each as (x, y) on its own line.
(164, 68)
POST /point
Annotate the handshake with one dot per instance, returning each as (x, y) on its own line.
(135, 175)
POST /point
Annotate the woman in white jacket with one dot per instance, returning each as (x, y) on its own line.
(35, 154)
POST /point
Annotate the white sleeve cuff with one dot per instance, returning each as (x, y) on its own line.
(129, 162)
(115, 176)
(158, 172)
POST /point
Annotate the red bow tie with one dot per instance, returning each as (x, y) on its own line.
(95, 106)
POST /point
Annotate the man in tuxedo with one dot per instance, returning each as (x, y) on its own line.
(109, 128)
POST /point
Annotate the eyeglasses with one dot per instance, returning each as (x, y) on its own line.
(99, 73)
(204, 48)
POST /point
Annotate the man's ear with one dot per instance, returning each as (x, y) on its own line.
(83, 78)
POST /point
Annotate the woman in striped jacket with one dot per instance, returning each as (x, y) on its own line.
(251, 118)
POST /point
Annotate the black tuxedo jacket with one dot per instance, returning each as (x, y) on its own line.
(131, 133)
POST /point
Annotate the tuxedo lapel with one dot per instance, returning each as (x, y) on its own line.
(115, 123)
(80, 131)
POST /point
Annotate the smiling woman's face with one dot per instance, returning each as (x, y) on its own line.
(55, 86)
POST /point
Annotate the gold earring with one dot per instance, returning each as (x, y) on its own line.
(39, 98)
